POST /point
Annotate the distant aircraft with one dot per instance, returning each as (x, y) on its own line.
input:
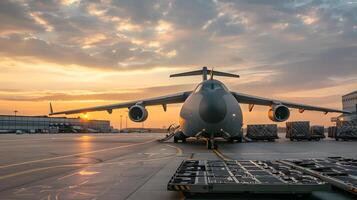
(209, 111)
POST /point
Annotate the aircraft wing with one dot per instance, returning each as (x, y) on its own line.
(255, 100)
(163, 100)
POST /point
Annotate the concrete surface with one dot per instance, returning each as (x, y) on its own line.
(129, 166)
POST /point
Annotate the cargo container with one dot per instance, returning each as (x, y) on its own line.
(262, 132)
(299, 130)
(317, 132)
(331, 132)
(346, 133)
(343, 132)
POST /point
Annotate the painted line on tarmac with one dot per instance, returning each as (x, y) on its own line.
(80, 165)
(178, 150)
(221, 155)
(76, 154)
(40, 169)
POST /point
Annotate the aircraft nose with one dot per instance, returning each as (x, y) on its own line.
(212, 108)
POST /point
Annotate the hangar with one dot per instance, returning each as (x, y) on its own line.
(44, 124)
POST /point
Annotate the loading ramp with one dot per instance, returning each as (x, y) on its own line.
(338, 171)
(242, 176)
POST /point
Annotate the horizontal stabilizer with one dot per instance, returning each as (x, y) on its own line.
(191, 73)
(204, 72)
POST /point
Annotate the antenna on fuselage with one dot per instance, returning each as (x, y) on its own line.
(204, 72)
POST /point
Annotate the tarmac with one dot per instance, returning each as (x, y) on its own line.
(131, 166)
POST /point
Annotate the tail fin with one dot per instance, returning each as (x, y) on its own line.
(51, 109)
(204, 72)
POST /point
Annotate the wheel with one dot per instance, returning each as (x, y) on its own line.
(183, 140)
(291, 139)
(336, 139)
(240, 139)
(209, 144)
(230, 140)
(175, 139)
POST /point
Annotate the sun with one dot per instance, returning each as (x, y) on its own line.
(84, 116)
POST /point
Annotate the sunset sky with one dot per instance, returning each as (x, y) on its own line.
(84, 53)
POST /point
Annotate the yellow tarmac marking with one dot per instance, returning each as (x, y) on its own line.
(221, 155)
(76, 154)
(178, 149)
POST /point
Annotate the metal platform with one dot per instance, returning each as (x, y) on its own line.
(338, 171)
(242, 176)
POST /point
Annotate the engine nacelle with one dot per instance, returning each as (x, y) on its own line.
(279, 113)
(138, 113)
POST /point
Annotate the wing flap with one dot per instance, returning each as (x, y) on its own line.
(163, 100)
(250, 99)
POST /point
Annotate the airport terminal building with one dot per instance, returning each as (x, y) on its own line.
(44, 124)
(349, 103)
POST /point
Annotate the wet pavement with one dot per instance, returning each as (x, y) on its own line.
(129, 166)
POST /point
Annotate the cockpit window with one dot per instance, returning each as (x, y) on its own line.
(210, 86)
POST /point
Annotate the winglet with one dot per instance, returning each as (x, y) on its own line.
(51, 109)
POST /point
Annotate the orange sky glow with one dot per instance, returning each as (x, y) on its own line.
(79, 53)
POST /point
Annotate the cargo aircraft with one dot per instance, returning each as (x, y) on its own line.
(211, 110)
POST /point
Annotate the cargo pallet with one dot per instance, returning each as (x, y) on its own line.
(343, 132)
(300, 130)
(262, 132)
(338, 171)
(199, 177)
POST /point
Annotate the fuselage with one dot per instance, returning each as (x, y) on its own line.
(211, 111)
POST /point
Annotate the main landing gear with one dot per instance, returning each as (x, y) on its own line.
(211, 144)
(179, 136)
(233, 139)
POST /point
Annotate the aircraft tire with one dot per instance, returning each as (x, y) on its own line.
(215, 145)
(209, 144)
(240, 139)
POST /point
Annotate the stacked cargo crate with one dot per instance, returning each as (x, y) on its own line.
(300, 130)
(317, 132)
(262, 132)
(343, 132)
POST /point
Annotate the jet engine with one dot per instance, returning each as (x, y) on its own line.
(138, 113)
(279, 113)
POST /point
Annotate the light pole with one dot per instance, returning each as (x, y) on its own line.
(15, 112)
(121, 118)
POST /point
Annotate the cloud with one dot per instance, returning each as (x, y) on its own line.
(15, 19)
(309, 40)
(80, 95)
